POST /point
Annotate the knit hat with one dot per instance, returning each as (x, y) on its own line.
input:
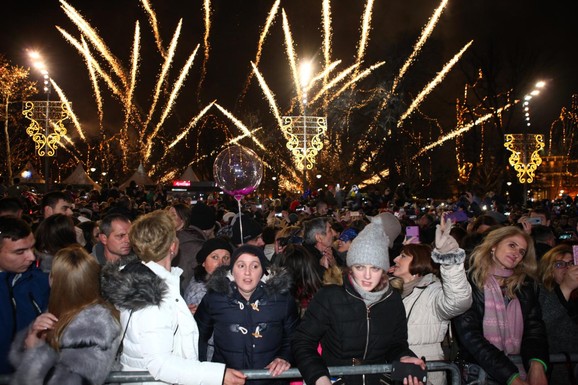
(371, 246)
(391, 226)
(202, 216)
(211, 245)
(251, 230)
(348, 235)
(253, 250)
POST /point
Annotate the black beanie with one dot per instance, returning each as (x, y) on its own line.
(253, 250)
(211, 245)
(202, 216)
(251, 230)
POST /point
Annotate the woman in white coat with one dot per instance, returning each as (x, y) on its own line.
(161, 335)
(430, 303)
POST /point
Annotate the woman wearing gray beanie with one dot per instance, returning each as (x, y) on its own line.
(361, 322)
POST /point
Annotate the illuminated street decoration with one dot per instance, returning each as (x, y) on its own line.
(52, 113)
(524, 146)
(304, 138)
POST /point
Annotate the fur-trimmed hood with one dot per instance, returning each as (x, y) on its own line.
(279, 281)
(131, 285)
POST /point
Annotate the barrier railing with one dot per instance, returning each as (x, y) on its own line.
(132, 377)
(432, 366)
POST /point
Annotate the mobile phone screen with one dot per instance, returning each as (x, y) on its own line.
(412, 232)
(575, 254)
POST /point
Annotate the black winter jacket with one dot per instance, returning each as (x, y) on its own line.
(247, 334)
(474, 348)
(350, 332)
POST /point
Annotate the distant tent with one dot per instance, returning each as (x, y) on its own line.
(189, 175)
(79, 177)
(140, 177)
(29, 175)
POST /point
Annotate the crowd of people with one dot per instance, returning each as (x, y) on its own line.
(195, 292)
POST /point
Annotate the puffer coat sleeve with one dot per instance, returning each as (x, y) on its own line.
(88, 347)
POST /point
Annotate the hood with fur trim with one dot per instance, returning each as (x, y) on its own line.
(279, 281)
(131, 285)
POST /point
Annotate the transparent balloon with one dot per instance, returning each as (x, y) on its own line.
(238, 171)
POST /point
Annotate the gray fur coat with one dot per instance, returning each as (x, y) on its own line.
(88, 347)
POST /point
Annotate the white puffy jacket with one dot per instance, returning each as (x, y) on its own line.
(163, 339)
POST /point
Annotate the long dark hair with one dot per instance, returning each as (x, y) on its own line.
(54, 233)
(304, 268)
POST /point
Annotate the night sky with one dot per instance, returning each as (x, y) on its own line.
(539, 33)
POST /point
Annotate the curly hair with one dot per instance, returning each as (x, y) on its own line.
(546, 265)
(481, 259)
(152, 235)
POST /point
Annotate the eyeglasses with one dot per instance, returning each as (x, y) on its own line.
(563, 264)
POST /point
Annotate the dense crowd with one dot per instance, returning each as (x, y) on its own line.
(195, 292)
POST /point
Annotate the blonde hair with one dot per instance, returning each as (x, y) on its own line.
(481, 261)
(75, 285)
(151, 235)
(546, 265)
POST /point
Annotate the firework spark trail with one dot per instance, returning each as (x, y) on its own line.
(68, 150)
(164, 70)
(94, 82)
(128, 104)
(268, 94)
(70, 112)
(364, 38)
(171, 101)
(291, 56)
(429, 87)
(206, 45)
(95, 39)
(264, 33)
(322, 75)
(360, 76)
(191, 124)
(334, 82)
(326, 17)
(155, 26)
(240, 125)
(425, 34)
(92, 62)
(462, 130)
(242, 136)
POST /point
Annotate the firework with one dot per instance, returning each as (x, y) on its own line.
(364, 37)
(64, 99)
(241, 126)
(206, 45)
(291, 55)
(94, 81)
(155, 26)
(268, 94)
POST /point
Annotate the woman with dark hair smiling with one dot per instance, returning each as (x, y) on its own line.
(430, 303)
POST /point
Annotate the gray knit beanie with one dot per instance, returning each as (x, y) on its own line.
(370, 247)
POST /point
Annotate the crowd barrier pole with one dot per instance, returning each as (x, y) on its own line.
(144, 376)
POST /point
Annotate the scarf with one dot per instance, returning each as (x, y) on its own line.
(369, 297)
(503, 324)
(409, 286)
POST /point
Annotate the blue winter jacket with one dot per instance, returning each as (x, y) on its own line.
(23, 297)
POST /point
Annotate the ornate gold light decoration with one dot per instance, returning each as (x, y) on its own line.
(53, 113)
(524, 146)
(304, 138)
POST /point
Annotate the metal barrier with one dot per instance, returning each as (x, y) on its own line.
(143, 376)
(432, 366)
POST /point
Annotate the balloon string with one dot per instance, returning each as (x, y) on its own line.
(240, 220)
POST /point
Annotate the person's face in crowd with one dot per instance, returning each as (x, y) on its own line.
(343, 246)
(176, 219)
(247, 272)
(322, 209)
(325, 240)
(117, 243)
(17, 256)
(560, 272)
(401, 268)
(61, 207)
(257, 241)
(509, 252)
(367, 276)
(215, 259)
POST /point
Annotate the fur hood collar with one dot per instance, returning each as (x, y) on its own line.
(130, 285)
(279, 281)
